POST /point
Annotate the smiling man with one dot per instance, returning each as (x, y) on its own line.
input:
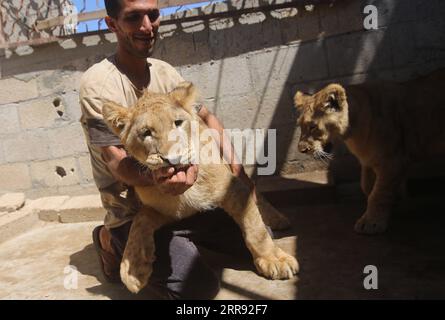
(179, 271)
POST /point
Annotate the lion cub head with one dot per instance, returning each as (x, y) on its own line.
(323, 116)
(151, 129)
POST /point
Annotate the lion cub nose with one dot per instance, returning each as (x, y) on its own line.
(303, 147)
(172, 159)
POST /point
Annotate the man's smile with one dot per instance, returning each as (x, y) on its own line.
(143, 38)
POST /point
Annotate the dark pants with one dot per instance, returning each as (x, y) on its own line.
(179, 271)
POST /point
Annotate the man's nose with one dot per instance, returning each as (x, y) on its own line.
(147, 26)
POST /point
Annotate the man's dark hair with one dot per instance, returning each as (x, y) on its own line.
(113, 7)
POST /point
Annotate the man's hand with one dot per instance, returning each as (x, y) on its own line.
(175, 182)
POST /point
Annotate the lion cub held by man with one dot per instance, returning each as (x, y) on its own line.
(144, 131)
(386, 126)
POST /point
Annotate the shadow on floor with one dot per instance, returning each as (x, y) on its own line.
(409, 256)
(86, 262)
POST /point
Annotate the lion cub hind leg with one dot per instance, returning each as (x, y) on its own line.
(269, 259)
(271, 216)
(137, 261)
(380, 201)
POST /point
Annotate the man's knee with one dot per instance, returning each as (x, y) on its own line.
(187, 276)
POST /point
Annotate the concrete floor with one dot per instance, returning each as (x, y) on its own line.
(409, 258)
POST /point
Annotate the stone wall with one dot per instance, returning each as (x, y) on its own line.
(247, 64)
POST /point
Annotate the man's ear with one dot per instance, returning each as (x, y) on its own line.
(115, 116)
(185, 94)
(111, 23)
(299, 100)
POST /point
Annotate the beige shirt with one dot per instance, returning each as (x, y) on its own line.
(104, 82)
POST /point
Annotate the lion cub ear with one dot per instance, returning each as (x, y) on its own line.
(299, 100)
(115, 116)
(185, 95)
(336, 97)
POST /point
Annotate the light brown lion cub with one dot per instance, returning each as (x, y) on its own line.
(384, 125)
(144, 131)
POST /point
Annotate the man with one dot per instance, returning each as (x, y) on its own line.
(179, 271)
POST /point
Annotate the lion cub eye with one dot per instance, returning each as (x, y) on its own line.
(178, 123)
(312, 127)
(146, 133)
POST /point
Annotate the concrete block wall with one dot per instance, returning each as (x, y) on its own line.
(247, 67)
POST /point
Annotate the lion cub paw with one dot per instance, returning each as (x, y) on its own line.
(371, 224)
(277, 266)
(136, 279)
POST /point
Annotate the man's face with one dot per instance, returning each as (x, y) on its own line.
(137, 25)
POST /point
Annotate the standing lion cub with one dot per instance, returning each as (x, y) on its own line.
(385, 126)
(144, 131)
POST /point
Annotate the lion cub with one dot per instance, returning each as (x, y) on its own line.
(145, 130)
(384, 125)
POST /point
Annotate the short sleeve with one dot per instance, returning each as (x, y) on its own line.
(98, 132)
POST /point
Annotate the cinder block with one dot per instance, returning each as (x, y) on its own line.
(289, 30)
(308, 25)
(2, 154)
(426, 9)
(14, 177)
(287, 143)
(266, 67)
(217, 44)
(275, 109)
(193, 26)
(10, 202)
(81, 209)
(329, 24)
(216, 78)
(350, 16)
(237, 111)
(403, 48)
(245, 4)
(358, 53)
(58, 81)
(14, 90)
(284, 13)
(238, 39)
(91, 40)
(48, 208)
(251, 18)
(184, 53)
(67, 141)
(15, 223)
(394, 12)
(78, 189)
(271, 34)
(39, 113)
(278, 67)
(70, 101)
(41, 192)
(27, 146)
(54, 173)
(9, 119)
(85, 169)
(430, 39)
(216, 7)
